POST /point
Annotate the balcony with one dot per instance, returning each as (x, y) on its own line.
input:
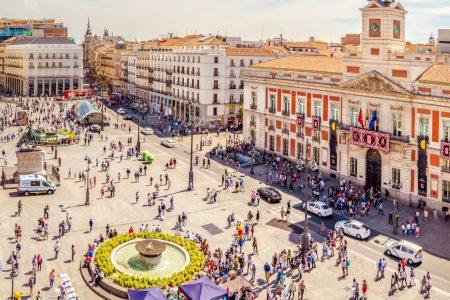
(445, 169)
(241, 86)
(232, 87)
(285, 130)
(252, 123)
(232, 75)
(315, 138)
(216, 87)
(344, 127)
(272, 110)
(399, 138)
(253, 106)
(286, 113)
(300, 134)
(271, 127)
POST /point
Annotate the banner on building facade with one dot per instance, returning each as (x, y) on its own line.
(422, 162)
(445, 150)
(300, 120)
(316, 123)
(333, 145)
(370, 139)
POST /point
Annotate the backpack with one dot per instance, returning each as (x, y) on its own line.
(347, 262)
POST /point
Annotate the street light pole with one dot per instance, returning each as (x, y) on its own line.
(12, 282)
(252, 172)
(191, 171)
(87, 183)
(138, 146)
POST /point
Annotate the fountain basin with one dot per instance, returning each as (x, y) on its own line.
(165, 259)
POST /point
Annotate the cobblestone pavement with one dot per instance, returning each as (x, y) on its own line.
(121, 212)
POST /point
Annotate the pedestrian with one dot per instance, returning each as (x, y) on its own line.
(393, 284)
(137, 197)
(267, 270)
(73, 252)
(56, 249)
(301, 290)
(412, 276)
(31, 285)
(91, 223)
(364, 289)
(255, 245)
(292, 290)
(52, 278)
(253, 268)
(379, 268)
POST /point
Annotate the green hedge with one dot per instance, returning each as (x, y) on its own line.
(195, 266)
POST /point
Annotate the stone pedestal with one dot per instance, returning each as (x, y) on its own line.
(29, 162)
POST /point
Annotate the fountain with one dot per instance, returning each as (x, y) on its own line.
(150, 251)
(150, 258)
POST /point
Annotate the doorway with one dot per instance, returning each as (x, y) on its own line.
(373, 169)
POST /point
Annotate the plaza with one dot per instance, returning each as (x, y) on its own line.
(208, 220)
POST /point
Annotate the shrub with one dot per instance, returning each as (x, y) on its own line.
(195, 266)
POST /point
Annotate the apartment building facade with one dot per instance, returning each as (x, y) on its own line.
(43, 66)
(379, 116)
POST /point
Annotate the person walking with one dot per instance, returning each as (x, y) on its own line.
(73, 252)
(91, 223)
(51, 277)
(253, 268)
(412, 276)
(301, 289)
(364, 289)
(255, 245)
(267, 270)
(56, 249)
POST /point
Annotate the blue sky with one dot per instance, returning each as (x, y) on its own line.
(327, 20)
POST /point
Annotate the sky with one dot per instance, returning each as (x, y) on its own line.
(297, 20)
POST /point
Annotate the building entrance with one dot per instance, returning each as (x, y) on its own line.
(373, 169)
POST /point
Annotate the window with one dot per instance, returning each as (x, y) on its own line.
(335, 111)
(232, 63)
(286, 104)
(242, 63)
(285, 147)
(423, 126)
(354, 116)
(397, 125)
(271, 143)
(317, 108)
(446, 130)
(396, 178)
(254, 99)
(445, 191)
(214, 111)
(301, 106)
(316, 155)
(215, 100)
(216, 59)
(216, 72)
(272, 102)
(300, 152)
(353, 167)
(35, 183)
(216, 84)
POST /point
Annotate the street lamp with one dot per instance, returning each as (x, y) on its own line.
(87, 182)
(252, 153)
(396, 186)
(191, 171)
(138, 145)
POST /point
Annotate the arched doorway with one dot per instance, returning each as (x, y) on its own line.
(373, 169)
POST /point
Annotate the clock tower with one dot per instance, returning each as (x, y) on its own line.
(383, 29)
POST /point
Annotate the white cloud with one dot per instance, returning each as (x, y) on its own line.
(297, 19)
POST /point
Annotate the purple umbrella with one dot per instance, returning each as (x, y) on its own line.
(147, 294)
(203, 289)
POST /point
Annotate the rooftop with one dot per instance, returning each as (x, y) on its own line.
(241, 51)
(304, 63)
(43, 40)
(437, 74)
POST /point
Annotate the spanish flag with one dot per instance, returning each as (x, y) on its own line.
(360, 118)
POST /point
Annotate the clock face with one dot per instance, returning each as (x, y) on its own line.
(396, 30)
(374, 28)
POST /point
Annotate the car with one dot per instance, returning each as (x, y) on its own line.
(319, 208)
(353, 228)
(405, 250)
(127, 117)
(147, 131)
(95, 128)
(269, 194)
(121, 111)
(169, 143)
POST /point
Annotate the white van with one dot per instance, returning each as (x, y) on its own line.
(35, 184)
(405, 250)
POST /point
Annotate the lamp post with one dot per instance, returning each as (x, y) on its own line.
(12, 281)
(87, 183)
(138, 146)
(252, 153)
(395, 219)
(201, 139)
(191, 171)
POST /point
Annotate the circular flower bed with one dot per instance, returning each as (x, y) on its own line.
(60, 136)
(195, 266)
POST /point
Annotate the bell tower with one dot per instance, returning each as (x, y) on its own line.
(383, 29)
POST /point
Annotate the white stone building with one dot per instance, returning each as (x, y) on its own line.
(43, 66)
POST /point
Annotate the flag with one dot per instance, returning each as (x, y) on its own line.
(367, 114)
(360, 118)
(373, 120)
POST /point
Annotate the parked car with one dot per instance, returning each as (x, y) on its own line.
(319, 208)
(269, 193)
(147, 131)
(353, 228)
(169, 143)
(405, 250)
(127, 117)
(121, 111)
(35, 184)
(95, 128)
